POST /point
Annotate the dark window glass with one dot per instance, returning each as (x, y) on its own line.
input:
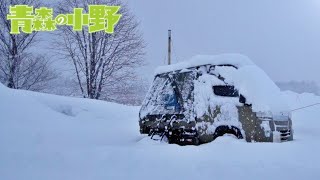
(228, 91)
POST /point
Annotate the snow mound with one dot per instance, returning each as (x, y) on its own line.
(48, 120)
(260, 90)
(101, 141)
(254, 84)
(237, 60)
(2, 87)
(228, 139)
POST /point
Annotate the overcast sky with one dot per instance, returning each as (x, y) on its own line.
(282, 37)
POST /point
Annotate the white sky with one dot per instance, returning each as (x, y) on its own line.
(282, 37)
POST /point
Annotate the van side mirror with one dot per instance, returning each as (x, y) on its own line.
(242, 99)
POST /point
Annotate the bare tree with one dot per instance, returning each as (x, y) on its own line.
(33, 73)
(101, 60)
(19, 69)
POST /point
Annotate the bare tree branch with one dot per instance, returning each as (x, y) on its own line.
(102, 59)
(19, 68)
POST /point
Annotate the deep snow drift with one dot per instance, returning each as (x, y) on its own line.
(52, 137)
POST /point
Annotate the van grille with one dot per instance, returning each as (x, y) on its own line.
(283, 127)
(284, 135)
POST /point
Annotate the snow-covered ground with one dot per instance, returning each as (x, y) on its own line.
(47, 137)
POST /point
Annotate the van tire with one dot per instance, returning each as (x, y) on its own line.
(222, 130)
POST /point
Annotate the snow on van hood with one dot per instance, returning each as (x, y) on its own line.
(259, 90)
(251, 81)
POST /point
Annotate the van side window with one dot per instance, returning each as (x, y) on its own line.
(225, 90)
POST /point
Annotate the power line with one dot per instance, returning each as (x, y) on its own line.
(305, 107)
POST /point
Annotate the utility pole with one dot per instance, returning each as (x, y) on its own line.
(169, 47)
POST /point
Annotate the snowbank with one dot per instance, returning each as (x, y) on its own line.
(2, 88)
(100, 140)
(31, 121)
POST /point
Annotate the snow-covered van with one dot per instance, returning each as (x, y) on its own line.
(196, 101)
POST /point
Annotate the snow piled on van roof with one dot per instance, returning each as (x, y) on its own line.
(251, 81)
(237, 60)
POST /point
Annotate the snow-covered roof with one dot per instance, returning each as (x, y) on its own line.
(249, 79)
(237, 60)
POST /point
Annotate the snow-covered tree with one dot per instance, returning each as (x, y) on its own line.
(19, 67)
(300, 86)
(101, 60)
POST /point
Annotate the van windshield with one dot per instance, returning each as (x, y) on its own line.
(169, 94)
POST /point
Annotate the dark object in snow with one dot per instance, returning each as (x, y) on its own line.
(198, 104)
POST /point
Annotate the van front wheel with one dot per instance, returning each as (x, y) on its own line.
(222, 130)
